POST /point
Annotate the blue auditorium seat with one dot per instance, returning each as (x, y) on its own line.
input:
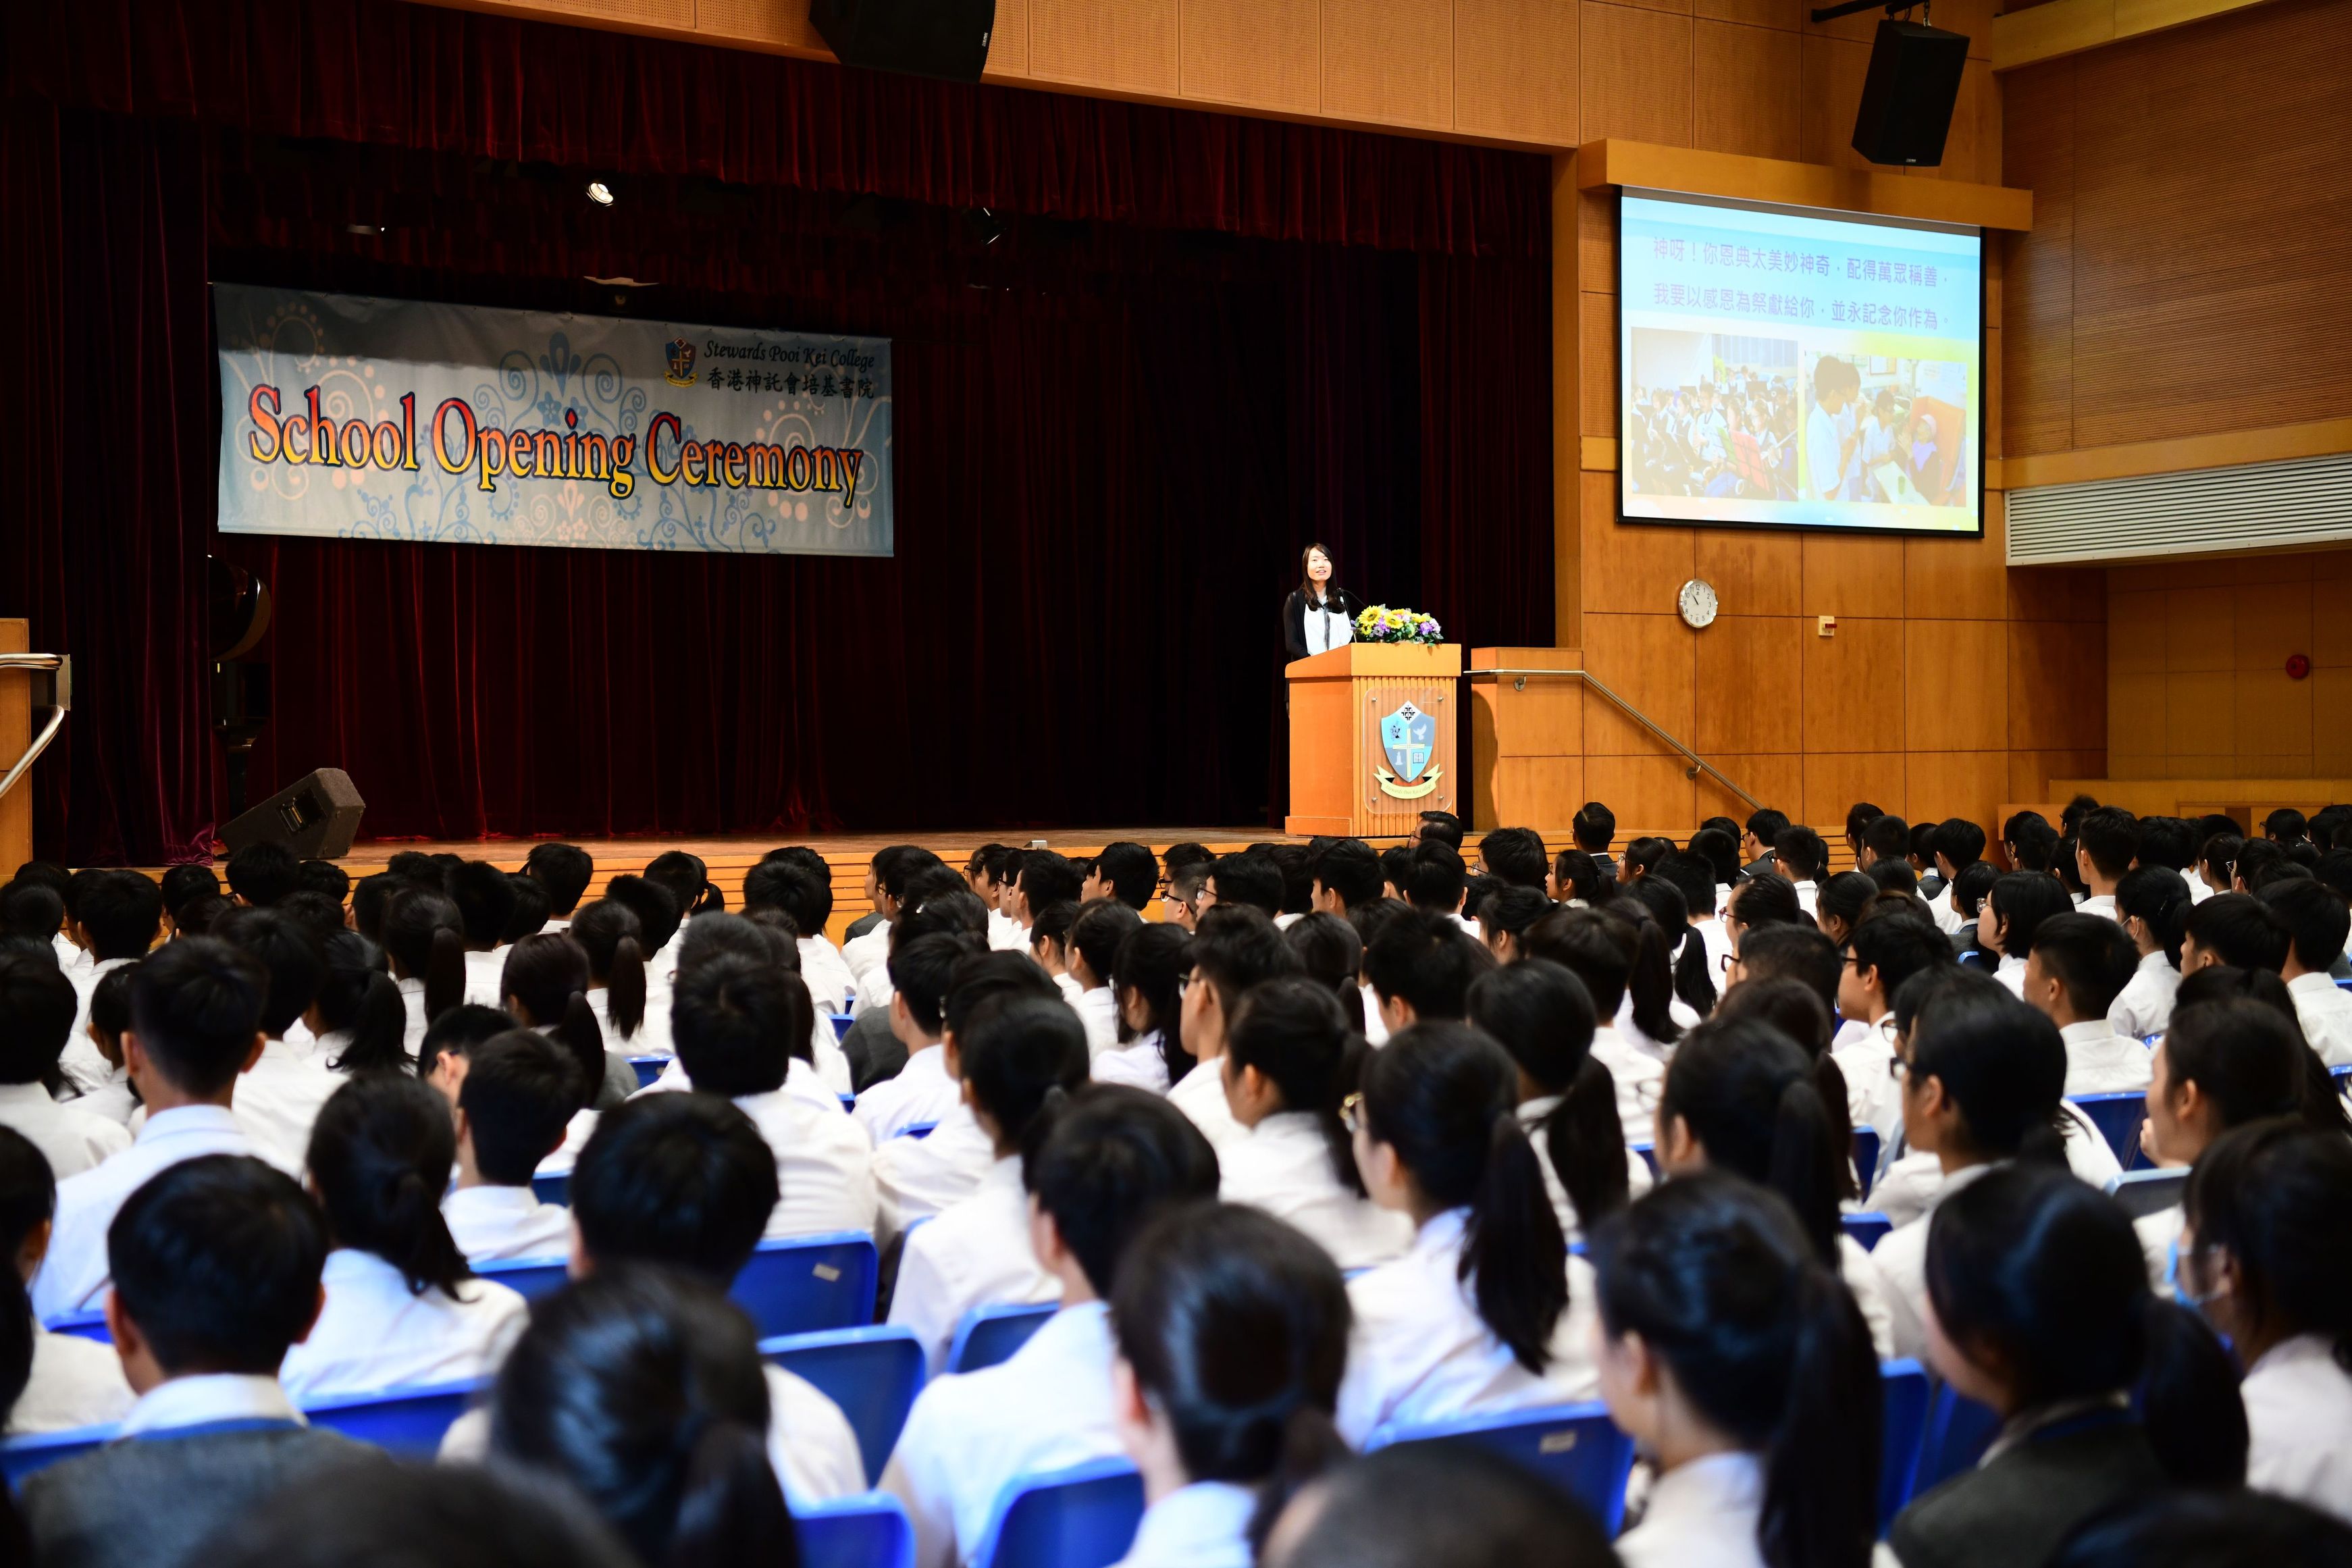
(647, 1069)
(21, 1456)
(529, 1278)
(1959, 1432)
(870, 1531)
(553, 1189)
(1865, 1158)
(991, 1333)
(2117, 1118)
(1575, 1447)
(1084, 1517)
(1907, 1387)
(82, 1326)
(2143, 1193)
(873, 1374)
(808, 1283)
(409, 1422)
(1869, 1227)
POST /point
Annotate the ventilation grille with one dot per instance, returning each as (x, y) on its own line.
(2260, 505)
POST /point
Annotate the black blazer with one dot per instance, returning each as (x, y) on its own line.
(2016, 1511)
(1294, 616)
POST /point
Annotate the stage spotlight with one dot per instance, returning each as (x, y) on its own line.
(600, 193)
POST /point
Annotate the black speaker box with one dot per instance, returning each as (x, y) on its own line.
(946, 38)
(316, 816)
(1908, 98)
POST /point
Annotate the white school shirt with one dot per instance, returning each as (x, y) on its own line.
(2157, 1234)
(75, 1383)
(1139, 1064)
(69, 1137)
(2100, 1061)
(71, 958)
(84, 1069)
(1419, 1352)
(1045, 1408)
(1640, 1078)
(1098, 1010)
(1659, 1051)
(1204, 1525)
(1006, 934)
(920, 1096)
(2011, 972)
(860, 954)
(412, 999)
(1376, 1028)
(1283, 1166)
(373, 1333)
(826, 973)
(874, 988)
(915, 1178)
(1638, 1179)
(1945, 907)
(1703, 1513)
(277, 1099)
(492, 1224)
(1200, 1095)
(2326, 1009)
(485, 975)
(2299, 1414)
(1869, 1293)
(1901, 1261)
(75, 1271)
(811, 1445)
(1717, 938)
(825, 1163)
(971, 1254)
(207, 1399)
(1809, 896)
(651, 1038)
(556, 925)
(1862, 1052)
(2144, 1007)
(2099, 904)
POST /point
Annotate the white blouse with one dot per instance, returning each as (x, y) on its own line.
(1284, 1166)
(2299, 1413)
(1701, 1514)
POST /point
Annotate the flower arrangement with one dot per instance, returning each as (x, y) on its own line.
(1381, 623)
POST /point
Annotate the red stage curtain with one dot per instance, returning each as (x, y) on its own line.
(1113, 437)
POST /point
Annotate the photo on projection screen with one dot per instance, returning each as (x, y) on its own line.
(1785, 369)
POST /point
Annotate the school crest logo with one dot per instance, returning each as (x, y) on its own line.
(681, 364)
(1407, 739)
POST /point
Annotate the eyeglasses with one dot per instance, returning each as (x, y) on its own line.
(1897, 1069)
(1352, 1112)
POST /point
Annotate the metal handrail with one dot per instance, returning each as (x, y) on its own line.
(1698, 765)
(63, 699)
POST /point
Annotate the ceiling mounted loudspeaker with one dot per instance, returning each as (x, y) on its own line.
(1908, 97)
(945, 38)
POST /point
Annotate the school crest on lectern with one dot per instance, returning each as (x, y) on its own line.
(1408, 739)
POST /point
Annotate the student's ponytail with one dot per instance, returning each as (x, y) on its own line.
(380, 1156)
(624, 988)
(426, 936)
(1650, 985)
(577, 1033)
(1311, 1448)
(1021, 1064)
(445, 974)
(2188, 1400)
(610, 933)
(29, 1200)
(1746, 1093)
(1694, 975)
(360, 999)
(1586, 1140)
(1153, 963)
(1821, 1463)
(1442, 1096)
(730, 1512)
(1541, 1014)
(546, 976)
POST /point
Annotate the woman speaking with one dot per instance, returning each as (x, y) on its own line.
(1320, 614)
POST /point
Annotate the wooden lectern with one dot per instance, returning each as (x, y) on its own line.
(15, 734)
(1373, 738)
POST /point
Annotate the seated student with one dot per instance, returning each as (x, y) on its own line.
(1344, 875)
(545, 986)
(916, 1178)
(115, 918)
(1181, 904)
(1487, 1312)
(1233, 948)
(1798, 854)
(36, 1015)
(280, 1092)
(1982, 1077)
(1289, 1060)
(1249, 878)
(1851, 1067)
(1734, 1356)
(2153, 902)
(195, 1013)
(2216, 863)
(485, 898)
(1148, 972)
(449, 1051)
(1593, 829)
(1018, 1062)
(1884, 838)
(1421, 966)
(1598, 947)
(1885, 951)
(426, 939)
(1436, 881)
(564, 870)
(2080, 964)
(642, 1389)
(1692, 877)
(1232, 1335)
(262, 874)
(738, 1025)
(923, 1092)
(1114, 1160)
(1036, 877)
(530, 909)
(608, 931)
(787, 880)
(1516, 855)
(1794, 1007)
(1419, 1504)
(1762, 898)
(356, 1021)
(110, 1016)
(659, 923)
(520, 1091)
(871, 1052)
(1740, 1095)
(2045, 1315)
(402, 1306)
(2107, 842)
(1504, 917)
(1093, 950)
(2317, 920)
(2262, 1257)
(1331, 953)
(1049, 944)
(1125, 872)
(216, 1272)
(69, 1381)
(2013, 911)
(182, 886)
(1763, 827)
(2237, 930)
(1577, 881)
(1541, 1014)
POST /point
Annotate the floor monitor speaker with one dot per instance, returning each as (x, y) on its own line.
(316, 816)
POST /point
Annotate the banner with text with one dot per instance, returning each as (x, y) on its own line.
(344, 418)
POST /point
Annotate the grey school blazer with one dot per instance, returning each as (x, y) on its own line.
(150, 1502)
(2020, 1508)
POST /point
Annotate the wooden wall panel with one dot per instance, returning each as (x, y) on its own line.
(1747, 89)
(1854, 688)
(1755, 571)
(1835, 780)
(1635, 66)
(1853, 576)
(1747, 667)
(1786, 16)
(1957, 579)
(1260, 54)
(1596, 378)
(783, 23)
(1833, 70)
(2057, 686)
(1389, 60)
(1956, 686)
(1648, 661)
(1125, 49)
(1515, 68)
(1645, 792)
(1630, 567)
(1939, 784)
(1777, 779)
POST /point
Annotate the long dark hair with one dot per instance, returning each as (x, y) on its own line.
(1748, 1095)
(359, 997)
(2031, 1267)
(28, 1199)
(547, 973)
(1693, 974)
(1542, 1015)
(2158, 896)
(426, 938)
(1291, 1030)
(1795, 1009)
(644, 1389)
(1650, 984)
(1721, 1282)
(2273, 1195)
(1579, 876)
(1444, 1096)
(609, 932)
(2249, 1060)
(1153, 963)
(2002, 1062)
(380, 1157)
(1307, 582)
